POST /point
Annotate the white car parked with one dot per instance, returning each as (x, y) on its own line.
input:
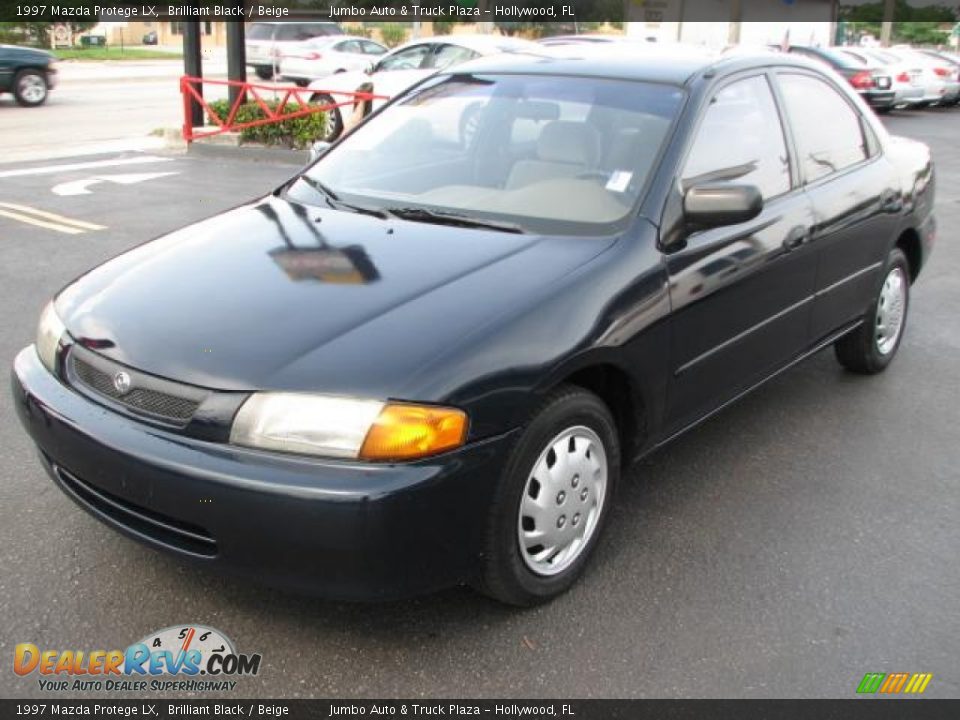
(938, 79)
(400, 69)
(265, 41)
(324, 56)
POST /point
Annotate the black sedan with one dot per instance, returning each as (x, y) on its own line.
(427, 359)
(873, 83)
(28, 73)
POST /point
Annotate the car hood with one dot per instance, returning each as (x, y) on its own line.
(281, 295)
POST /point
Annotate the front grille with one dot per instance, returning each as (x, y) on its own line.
(150, 396)
(144, 523)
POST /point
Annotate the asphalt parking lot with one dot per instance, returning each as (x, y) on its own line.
(798, 540)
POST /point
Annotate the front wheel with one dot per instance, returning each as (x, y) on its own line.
(552, 501)
(30, 88)
(264, 72)
(872, 346)
(334, 118)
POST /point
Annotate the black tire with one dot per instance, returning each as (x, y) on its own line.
(26, 86)
(859, 351)
(334, 118)
(504, 574)
(264, 72)
(883, 110)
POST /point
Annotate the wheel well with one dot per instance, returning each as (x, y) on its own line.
(909, 243)
(613, 386)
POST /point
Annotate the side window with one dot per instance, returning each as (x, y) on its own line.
(372, 48)
(348, 46)
(409, 59)
(448, 55)
(826, 128)
(741, 140)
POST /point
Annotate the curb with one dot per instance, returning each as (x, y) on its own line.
(254, 153)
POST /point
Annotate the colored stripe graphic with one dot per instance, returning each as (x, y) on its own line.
(918, 683)
(912, 683)
(894, 683)
(871, 682)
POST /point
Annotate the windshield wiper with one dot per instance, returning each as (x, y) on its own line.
(334, 201)
(437, 217)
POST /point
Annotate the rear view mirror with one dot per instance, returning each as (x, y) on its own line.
(718, 204)
(318, 149)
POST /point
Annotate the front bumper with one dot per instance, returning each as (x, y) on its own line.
(337, 529)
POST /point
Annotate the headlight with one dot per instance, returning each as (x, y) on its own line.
(49, 332)
(346, 427)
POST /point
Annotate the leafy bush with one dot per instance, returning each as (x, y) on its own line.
(298, 133)
(443, 27)
(357, 29)
(393, 33)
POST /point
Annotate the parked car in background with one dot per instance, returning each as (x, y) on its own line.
(907, 79)
(29, 74)
(151, 38)
(595, 39)
(940, 77)
(323, 56)
(870, 80)
(428, 363)
(404, 66)
(266, 41)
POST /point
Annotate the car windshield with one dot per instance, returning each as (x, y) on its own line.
(551, 154)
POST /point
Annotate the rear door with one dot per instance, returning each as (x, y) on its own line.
(853, 192)
(740, 294)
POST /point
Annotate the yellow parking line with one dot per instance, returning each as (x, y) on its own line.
(40, 223)
(51, 216)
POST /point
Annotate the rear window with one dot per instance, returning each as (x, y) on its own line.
(260, 31)
(843, 59)
(305, 31)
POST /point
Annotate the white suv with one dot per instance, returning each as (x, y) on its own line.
(265, 41)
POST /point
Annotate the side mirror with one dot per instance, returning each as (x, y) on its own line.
(718, 204)
(318, 149)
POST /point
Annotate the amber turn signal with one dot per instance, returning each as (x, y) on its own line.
(407, 432)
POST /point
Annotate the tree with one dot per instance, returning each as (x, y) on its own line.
(37, 33)
(918, 25)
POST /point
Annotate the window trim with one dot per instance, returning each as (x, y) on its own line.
(712, 92)
(861, 121)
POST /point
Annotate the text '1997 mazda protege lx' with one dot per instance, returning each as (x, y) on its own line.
(427, 359)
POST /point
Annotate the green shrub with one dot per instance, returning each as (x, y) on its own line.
(297, 133)
(357, 29)
(393, 33)
(443, 27)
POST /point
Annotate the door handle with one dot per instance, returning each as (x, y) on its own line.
(797, 237)
(889, 201)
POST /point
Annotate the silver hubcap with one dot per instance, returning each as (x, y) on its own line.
(562, 501)
(32, 88)
(890, 310)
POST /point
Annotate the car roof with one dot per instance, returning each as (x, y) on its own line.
(483, 44)
(653, 62)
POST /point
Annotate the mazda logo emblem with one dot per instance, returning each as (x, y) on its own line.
(122, 383)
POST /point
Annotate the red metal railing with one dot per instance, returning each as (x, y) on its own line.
(280, 97)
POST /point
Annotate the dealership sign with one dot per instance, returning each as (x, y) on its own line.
(172, 659)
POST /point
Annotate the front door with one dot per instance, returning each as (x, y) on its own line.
(741, 295)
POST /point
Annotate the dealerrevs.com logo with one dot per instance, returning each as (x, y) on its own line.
(179, 658)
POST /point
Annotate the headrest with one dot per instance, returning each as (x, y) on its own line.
(569, 142)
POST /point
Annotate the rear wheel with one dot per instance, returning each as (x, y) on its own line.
(872, 346)
(30, 88)
(552, 501)
(264, 72)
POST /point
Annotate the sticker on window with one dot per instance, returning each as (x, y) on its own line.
(619, 180)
